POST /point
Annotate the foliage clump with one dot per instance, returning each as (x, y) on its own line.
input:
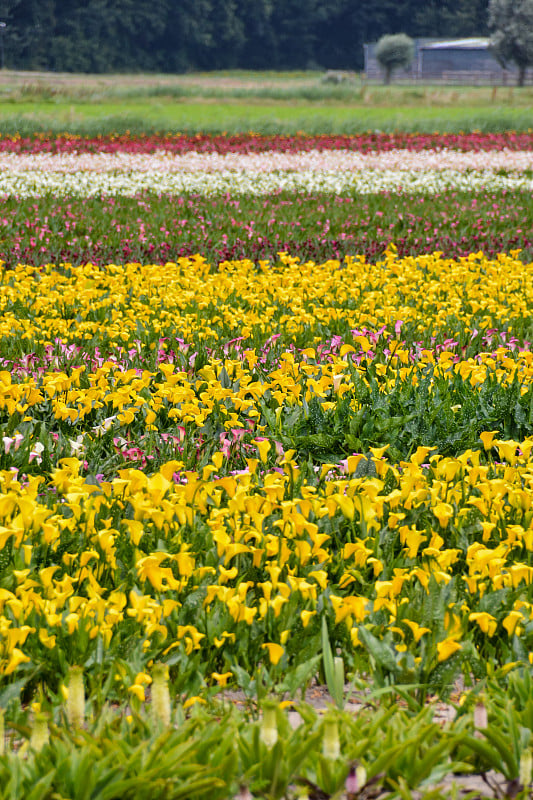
(511, 24)
(394, 51)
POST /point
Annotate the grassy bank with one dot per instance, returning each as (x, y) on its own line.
(216, 118)
(234, 102)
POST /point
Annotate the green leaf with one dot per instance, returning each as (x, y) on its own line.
(491, 756)
(299, 677)
(13, 691)
(380, 652)
(333, 680)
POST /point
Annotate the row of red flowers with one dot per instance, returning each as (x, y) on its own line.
(256, 143)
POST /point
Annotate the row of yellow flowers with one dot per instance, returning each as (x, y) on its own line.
(133, 550)
(121, 395)
(193, 300)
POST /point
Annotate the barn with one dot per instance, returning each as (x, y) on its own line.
(455, 61)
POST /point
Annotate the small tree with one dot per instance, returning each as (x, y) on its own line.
(511, 24)
(394, 51)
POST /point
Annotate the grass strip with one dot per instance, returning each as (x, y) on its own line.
(213, 117)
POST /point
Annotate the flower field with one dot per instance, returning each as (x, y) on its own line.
(267, 417)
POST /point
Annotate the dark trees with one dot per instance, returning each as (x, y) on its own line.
(181, 35)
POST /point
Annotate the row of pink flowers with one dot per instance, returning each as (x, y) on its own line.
(311, 160)
(148, 229)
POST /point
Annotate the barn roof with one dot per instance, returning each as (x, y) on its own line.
(474, 43)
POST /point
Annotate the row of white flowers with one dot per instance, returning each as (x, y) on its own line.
(89, 184)
(314, 160)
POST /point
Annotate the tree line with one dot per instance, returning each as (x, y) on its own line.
(184, 35)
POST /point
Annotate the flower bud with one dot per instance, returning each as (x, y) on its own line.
(331, 747)
(526, 768)
(269, 725)
(160, 695)
(39, 732)
(76, 698)
(355, 780)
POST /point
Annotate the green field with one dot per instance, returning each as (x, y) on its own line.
(234, 102)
